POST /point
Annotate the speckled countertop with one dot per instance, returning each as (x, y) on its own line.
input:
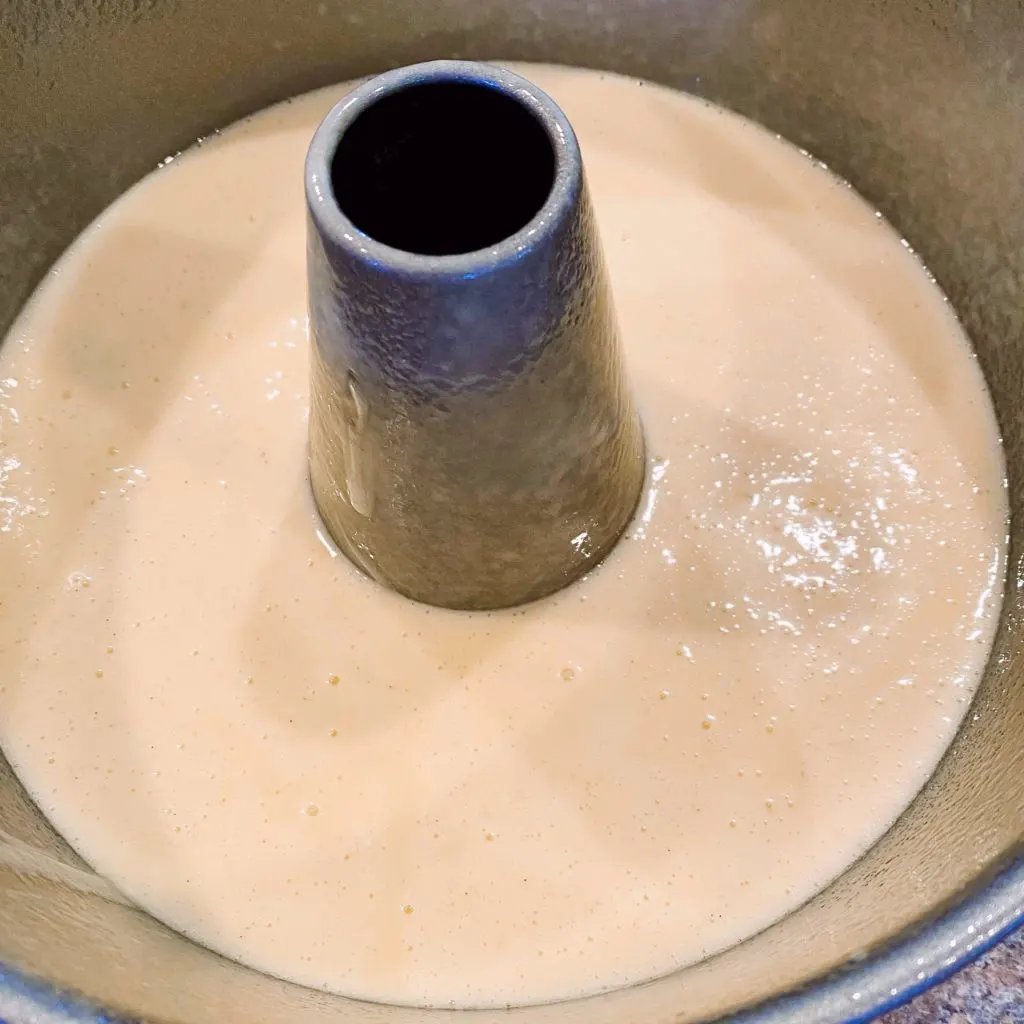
(990, 991)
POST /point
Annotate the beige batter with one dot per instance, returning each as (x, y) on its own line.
(343, 788)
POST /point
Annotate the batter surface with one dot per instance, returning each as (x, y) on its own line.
(337, 786)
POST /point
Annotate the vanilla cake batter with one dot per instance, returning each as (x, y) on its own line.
(340, 787)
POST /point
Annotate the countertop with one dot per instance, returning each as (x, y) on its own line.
(989, 991)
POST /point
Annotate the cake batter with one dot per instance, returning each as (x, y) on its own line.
(335, 785)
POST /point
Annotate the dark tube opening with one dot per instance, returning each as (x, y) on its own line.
(443, 168)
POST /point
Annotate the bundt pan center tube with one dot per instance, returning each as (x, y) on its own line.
(472, 440)
(919, 105)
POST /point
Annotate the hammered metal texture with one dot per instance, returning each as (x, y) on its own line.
(473, 442)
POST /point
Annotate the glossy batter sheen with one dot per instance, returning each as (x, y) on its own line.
(340, 787)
